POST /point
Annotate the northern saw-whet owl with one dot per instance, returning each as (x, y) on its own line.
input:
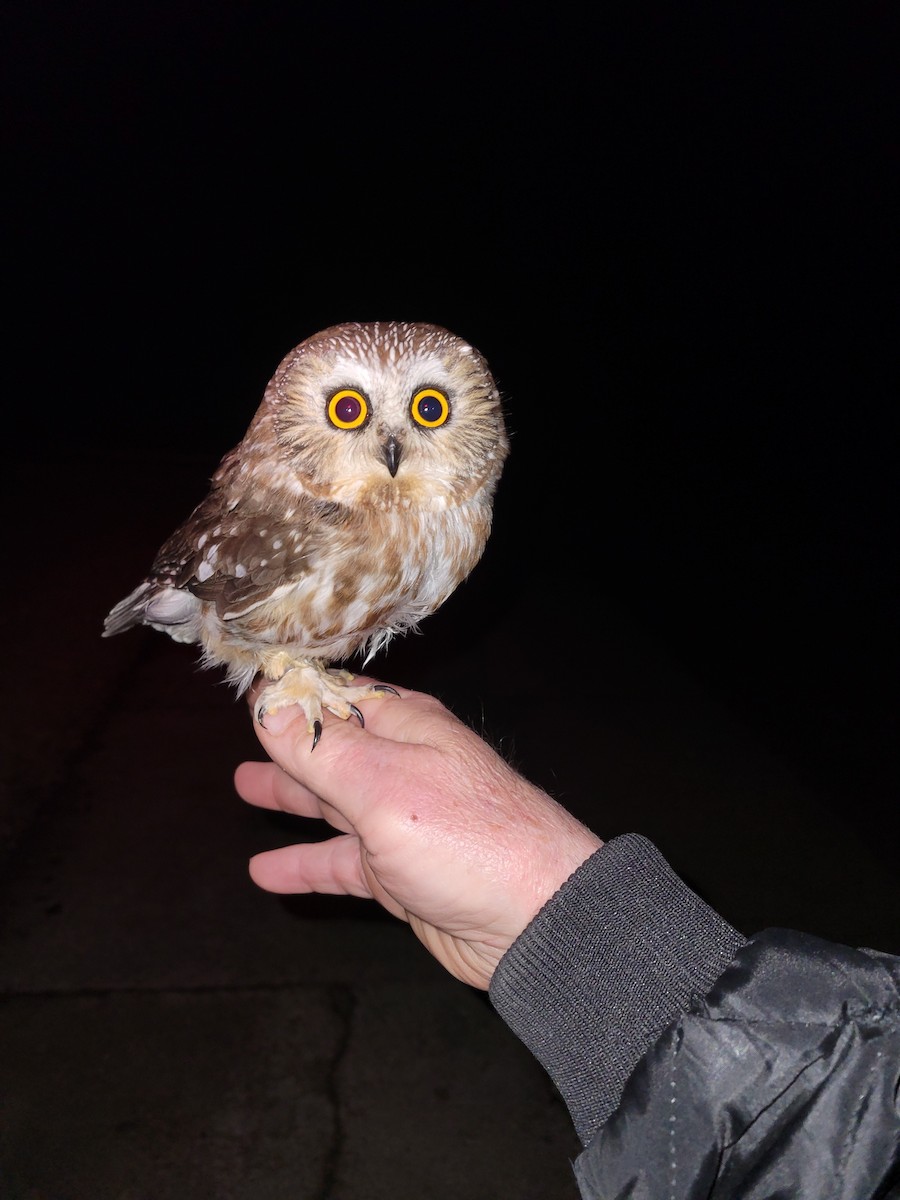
(360, 497)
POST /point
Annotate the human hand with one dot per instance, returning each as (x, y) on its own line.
(433, 824)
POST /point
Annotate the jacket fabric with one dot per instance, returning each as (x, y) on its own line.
(696, 1062)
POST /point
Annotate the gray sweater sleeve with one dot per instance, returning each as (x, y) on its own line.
(609, 961)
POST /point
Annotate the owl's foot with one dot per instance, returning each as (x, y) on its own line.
(316, 688)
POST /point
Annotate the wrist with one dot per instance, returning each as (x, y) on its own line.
(606, 964)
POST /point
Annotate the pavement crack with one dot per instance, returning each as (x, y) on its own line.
(343, 1002)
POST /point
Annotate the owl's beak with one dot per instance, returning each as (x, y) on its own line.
(392, 451)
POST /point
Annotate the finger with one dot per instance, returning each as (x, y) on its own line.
(267, 786)
(331, 867)
(407, 716)
(361, 771)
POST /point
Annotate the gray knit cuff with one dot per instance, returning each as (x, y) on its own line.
(608, 962)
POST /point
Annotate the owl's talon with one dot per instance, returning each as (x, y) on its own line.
(358, 715)
(383, 687)
(317, 733)
(260, 714)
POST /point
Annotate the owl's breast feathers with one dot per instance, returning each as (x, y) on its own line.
(318, 579)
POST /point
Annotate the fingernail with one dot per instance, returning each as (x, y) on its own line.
(276, 722)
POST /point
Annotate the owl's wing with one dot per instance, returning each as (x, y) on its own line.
(235, 557)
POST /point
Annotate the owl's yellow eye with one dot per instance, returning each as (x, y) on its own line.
(347, 409)
(430, 408)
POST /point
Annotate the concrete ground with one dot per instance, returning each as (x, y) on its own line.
(170, 1032)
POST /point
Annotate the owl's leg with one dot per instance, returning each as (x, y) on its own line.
(315, 688)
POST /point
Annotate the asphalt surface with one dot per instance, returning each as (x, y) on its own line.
(170, 1032)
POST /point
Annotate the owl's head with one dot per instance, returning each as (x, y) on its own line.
(388, 414)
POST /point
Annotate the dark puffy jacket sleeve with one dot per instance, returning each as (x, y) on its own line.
(696, 1063)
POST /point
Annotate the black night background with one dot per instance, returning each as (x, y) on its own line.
(673, 235)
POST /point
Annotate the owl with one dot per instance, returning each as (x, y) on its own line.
(359, 498)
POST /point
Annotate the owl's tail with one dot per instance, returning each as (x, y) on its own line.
(169, 609)
(130, 611)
